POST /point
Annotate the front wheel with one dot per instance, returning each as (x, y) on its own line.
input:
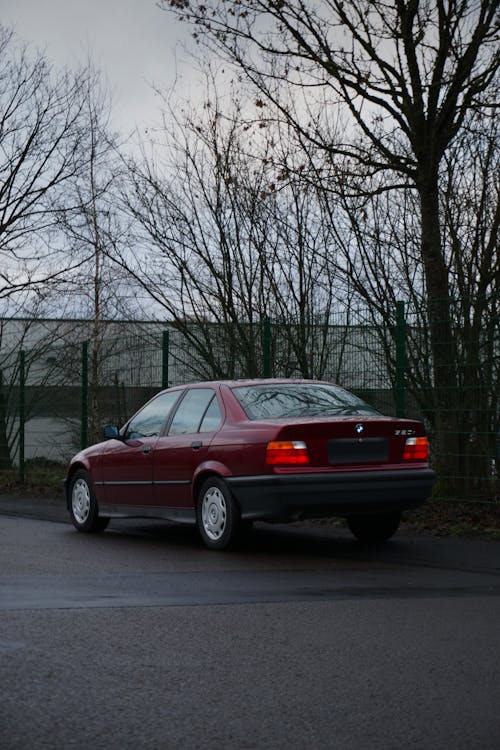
(217, 514)
(377, 527)
(82, 505)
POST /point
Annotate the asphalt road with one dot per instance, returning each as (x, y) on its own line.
(141, 638)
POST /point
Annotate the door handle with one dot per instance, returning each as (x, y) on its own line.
(196, 445)
(146, 449)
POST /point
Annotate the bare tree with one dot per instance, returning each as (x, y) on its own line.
(378, 252)
(226, 241)
(470, 200)
(41, 142)
(202, 234)
(207, 219)
(92, 226)
(408, 74)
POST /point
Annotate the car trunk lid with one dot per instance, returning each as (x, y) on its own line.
(352, 441)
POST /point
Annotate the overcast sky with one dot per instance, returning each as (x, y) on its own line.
(133, 42)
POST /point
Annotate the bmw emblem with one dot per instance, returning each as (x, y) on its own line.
(359, 428)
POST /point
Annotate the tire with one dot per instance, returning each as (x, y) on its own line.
(374, 528)
(82, 504)
(217, 514)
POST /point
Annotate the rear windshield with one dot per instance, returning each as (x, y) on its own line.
(279, 400)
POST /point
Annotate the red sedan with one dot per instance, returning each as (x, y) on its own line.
(223, 454)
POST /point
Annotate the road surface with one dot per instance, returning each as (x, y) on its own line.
(300, 638)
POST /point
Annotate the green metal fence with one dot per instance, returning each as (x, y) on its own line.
(59, 388)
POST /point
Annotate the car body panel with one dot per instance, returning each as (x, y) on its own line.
(175, 461)
(127, 471)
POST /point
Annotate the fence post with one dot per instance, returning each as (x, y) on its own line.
(164, 362)
(400, 359)
(85, 396)
(266, 347)
(22, 414)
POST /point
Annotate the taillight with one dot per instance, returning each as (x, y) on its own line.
(416, 449)
(287, 452)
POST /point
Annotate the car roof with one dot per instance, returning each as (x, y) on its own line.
(254, 381)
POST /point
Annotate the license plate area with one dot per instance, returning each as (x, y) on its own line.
(358, 451)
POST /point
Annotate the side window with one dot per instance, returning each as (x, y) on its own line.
(150, 420)
(212, 417)
(191, 411)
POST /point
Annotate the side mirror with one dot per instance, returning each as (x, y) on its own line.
(110, 432)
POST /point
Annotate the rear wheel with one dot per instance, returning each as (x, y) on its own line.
(82, 505)
(377, 527)
(218, 515)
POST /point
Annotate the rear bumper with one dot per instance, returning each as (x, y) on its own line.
(284, 497)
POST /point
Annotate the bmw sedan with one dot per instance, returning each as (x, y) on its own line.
(223, 454)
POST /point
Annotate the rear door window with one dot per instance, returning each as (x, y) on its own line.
(212, 417)
(198, 409)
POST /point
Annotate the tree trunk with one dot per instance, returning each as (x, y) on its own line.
(441, 336)
(5, 457)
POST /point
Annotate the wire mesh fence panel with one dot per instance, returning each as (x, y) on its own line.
(37, 412)
(9, 400)
(122, 369)
(454, 386)
(75, 382)
(208, 351)
(124, 372)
